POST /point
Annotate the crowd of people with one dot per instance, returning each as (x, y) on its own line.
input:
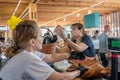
(26, 62)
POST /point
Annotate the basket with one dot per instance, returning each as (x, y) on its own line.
(48, 48)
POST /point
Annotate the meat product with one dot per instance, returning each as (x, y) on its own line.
(95, 69)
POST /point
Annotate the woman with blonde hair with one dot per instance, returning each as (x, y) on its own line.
(27, 63)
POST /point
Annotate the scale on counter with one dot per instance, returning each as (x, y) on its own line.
(114, 48)
(114, 44)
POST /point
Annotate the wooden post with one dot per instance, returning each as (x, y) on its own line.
(33, 12)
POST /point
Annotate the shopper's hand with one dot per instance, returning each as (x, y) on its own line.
(79, 68)
(108, 56)
(59, 30)
(82, 69)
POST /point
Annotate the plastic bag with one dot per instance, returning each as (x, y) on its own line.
(62, 65)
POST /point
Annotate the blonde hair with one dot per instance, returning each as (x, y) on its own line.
(106, 26)
(24, 31)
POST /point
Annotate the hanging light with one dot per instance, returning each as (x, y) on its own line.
(55, 23)
(64, 19)
(89, 11)
(78, 14)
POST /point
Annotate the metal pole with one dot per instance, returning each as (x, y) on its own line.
(114, 67)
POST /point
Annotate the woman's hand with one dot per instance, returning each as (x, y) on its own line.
(60, 31)
(108, 55)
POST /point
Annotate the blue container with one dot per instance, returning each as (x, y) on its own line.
(92, 20)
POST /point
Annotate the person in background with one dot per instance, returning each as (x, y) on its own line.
(47, 37)
(96, 41)
(95, 36)
(0, 55)
(80, 42)
(68, 36)
(87, 33)
(47, 33)
(1, 49)
(103, 37)
(27, 63)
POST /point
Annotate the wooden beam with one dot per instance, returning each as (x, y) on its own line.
(11, 4)
(31, 1)
(72, 10)
(13, 1)
(76, 3)
(44, 7)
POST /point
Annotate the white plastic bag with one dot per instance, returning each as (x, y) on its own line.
(62, 65)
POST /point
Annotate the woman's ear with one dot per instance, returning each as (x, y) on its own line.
(32, 42)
